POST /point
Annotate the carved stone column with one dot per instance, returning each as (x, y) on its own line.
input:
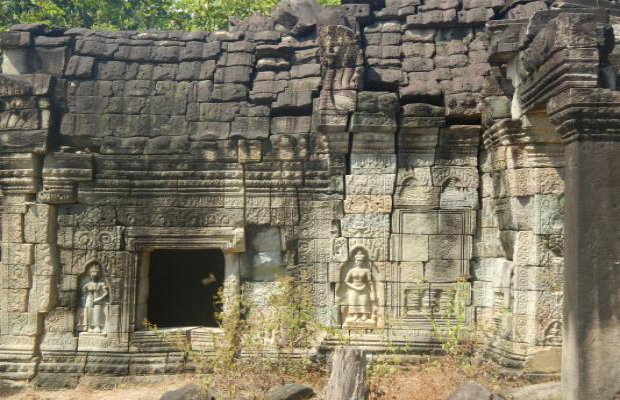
(588, 120)
(519, 254)
(29, 265)
(561, 66)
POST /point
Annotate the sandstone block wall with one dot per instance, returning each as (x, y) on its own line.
(408, 139)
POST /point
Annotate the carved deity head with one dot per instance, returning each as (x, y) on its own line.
(360, 259)
(95, 272)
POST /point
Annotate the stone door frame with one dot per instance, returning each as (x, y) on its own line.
(142, 241)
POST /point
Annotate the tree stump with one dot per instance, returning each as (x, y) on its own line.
(348, 378)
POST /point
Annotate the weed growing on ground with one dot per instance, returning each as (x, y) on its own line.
(260, 345)
(432, 377)
(451, 333)
(384, 369)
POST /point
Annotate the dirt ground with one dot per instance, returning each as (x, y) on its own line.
(405, 383)
(436, 383)
(120, 391)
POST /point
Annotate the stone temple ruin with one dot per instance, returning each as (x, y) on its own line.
(381, 154)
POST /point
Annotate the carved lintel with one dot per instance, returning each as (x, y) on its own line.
(229, 240)
(586, 114)
(565, 54)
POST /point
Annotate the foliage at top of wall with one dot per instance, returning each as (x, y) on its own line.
(185, 15)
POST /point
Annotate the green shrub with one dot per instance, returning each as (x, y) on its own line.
(205, 15)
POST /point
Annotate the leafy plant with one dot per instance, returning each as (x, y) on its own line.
(450, 336)
(385, 366)
(205, 15)
(262, 345)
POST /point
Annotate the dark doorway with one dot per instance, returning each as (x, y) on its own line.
(182, 289)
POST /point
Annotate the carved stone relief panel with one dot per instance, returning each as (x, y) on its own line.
(15, 300)
(368, 204)
(418, 300)
(531, 181)
(60, 320)
(365, 225)
(12, 228)
(549, 218)
(59, 330)
(314, 250)
(40, 224)
(342, 57)
(258, 208)
(315, 228)
(414, 176)
(22, 323)
(89, 217)
(430, 252)
(373, 142)
(466, 177)
(95, 296)
(552, 334)
(169, 216)
(42, 294)
(15, 276)
(322, 293)
(210, 198)
(340, 249)
(46, 260)
(549, 317)
(358, 292)
(284, 209)
(286, 147)
(377, 248)
(458, 197)
(320, 209)
(98, 238)
(409, 195)
(371, 184)
(17, 253)
(373, 164)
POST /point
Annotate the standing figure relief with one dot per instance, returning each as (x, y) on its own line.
(356, 294)
(342, 61)
(95, 294)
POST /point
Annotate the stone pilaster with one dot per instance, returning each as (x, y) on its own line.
(588, 121)
(519, 252)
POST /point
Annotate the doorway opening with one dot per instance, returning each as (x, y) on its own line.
(182, 287)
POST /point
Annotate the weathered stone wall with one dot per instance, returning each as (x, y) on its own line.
(404, 148)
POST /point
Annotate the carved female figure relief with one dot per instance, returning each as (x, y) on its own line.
(95, 294)
(359, 292)
(552, 334)
(356, 293)
(342, 61)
